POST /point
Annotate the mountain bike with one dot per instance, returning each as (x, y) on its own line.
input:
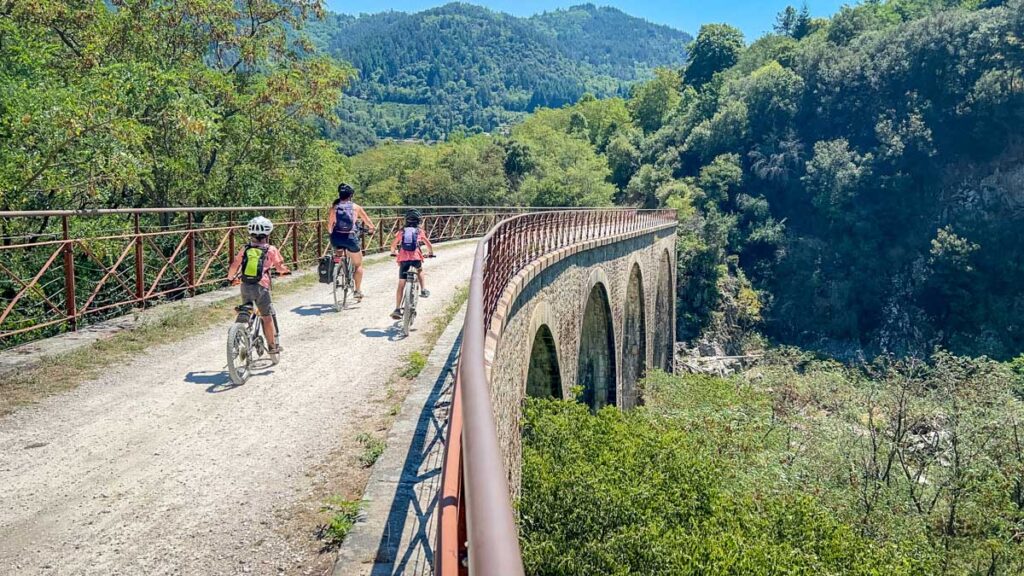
(410, 297)
(246, 343)
(343, 282)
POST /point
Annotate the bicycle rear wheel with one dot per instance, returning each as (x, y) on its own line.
(341, 285)
(239, 351)
(409, 310)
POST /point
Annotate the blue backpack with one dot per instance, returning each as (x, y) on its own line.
(345, 218)
(411, 239)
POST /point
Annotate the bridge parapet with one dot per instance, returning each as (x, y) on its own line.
(542, 281)
(63, 269)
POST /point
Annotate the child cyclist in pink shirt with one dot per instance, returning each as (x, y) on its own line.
(251, 268)
(410, 256)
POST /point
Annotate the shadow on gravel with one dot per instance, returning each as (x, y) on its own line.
(392, 333)
(313, 310)
(421, 473)
(217, 382)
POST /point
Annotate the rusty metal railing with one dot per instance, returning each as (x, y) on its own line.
(61, 269)
(477, 532)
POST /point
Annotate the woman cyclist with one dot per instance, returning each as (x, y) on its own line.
(343, 221)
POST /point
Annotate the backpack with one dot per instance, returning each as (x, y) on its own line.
(253, 258)
(410, 239)
(325, 269)
(345, 218)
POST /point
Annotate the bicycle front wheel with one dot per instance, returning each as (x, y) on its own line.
(239, 352)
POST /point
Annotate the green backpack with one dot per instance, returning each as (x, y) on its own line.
(252, 263)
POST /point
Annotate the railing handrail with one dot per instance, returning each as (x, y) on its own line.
(221, 209)
(491, 535)
(61, 275)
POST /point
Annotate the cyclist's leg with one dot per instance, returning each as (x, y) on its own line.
(357, 264)
(398, 293)
(266, 307)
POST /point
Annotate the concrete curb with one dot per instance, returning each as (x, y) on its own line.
(396, 532)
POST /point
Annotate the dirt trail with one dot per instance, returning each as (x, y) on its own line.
(161, 467)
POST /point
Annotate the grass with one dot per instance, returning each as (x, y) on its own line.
(343, 516)
(373, 448)
(438, 326)
(415, 364)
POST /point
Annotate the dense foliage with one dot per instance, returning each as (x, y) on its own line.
(866, 179)
(161, 104)
(548, 160)
(465, 68)
(800, 467)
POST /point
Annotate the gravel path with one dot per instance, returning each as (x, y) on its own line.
(162, 468)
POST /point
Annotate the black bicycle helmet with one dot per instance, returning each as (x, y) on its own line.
(413, 217)
(345, 192)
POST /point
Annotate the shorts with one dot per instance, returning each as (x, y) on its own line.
(346, 242)
(403, 267)
(259, 295)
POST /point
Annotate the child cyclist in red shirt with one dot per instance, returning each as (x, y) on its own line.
(251, 268)
(410, 256)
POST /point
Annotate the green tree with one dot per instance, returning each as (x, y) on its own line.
(716, 49)
(652, 102)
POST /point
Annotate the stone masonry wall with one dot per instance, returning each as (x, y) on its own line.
(554, 292)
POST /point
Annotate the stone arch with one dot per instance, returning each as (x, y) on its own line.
(596, 370)
(663, 315)
(634, 339)
(543, 375)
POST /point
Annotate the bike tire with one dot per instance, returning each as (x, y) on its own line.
(340, 292)
(409, 310)
(239, 352)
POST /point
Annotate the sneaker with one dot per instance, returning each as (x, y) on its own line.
(397, 314)
(424, 293)
(276, 349)
(357, 294)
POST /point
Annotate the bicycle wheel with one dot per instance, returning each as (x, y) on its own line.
(409, 310)
(239, 353)
(341, 285)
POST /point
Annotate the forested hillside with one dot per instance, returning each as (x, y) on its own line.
(851, 184)
(465, 68)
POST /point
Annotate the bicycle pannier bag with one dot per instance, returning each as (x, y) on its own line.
(325, 269)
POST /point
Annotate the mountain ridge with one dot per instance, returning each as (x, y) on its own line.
(463, 67)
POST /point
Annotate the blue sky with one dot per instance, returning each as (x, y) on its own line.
(754, 17)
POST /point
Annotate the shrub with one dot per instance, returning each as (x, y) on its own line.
(630, 493)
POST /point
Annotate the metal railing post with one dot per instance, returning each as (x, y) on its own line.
(380, 229)
(69, 276)
(191, 243)
(231, 237)
(140, 279)
(295, 238)
(319, 234)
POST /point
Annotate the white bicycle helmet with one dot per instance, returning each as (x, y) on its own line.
(260, 226)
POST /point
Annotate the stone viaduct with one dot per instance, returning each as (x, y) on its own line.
(586, 321)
